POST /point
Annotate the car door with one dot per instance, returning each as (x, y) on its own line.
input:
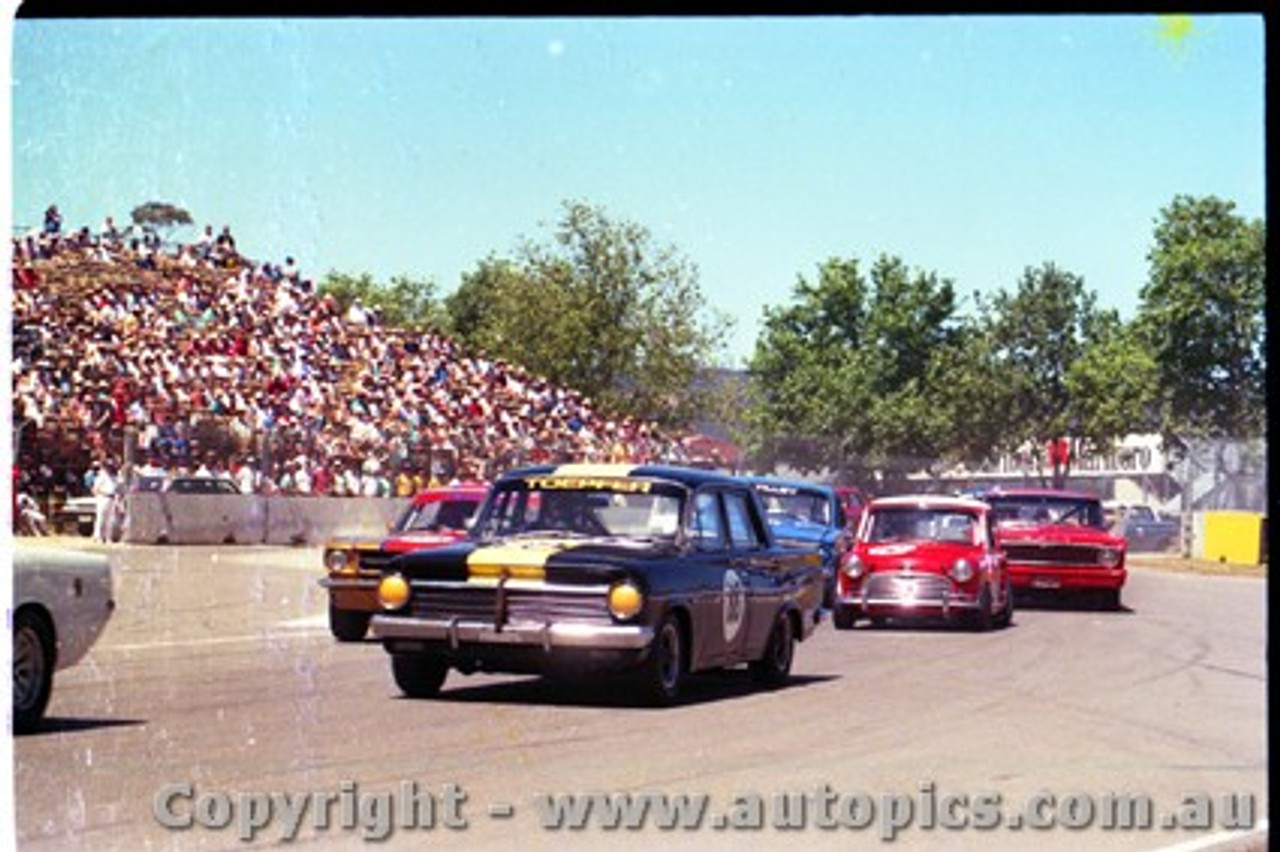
(764, 577)
(717, 593)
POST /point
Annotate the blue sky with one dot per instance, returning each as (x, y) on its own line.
(970, 146)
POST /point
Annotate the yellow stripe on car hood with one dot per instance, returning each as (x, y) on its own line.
(526, 560)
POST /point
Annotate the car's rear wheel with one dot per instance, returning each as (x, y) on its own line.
(348, 625)
(774, 667)
(33, 663)
(419, 675)
(660, 676)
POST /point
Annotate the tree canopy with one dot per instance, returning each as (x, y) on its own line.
(1202, 315)
(602, 309)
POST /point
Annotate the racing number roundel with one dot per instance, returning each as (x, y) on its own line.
(735, 604)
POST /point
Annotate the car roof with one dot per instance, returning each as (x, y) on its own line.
(689, 476)
(782, 483)
(465, 491)
(930, 501)
(1035, 492)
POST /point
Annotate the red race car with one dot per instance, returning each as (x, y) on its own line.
(925, 556)
(1058, 540)
(436, 517)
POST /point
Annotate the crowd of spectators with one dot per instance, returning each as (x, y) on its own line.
(191, 358)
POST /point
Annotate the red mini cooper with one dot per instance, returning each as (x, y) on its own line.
(925, 556)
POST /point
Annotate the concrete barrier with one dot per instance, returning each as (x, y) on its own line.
(165, 518)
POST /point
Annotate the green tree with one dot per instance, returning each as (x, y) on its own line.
(600, 309)
(1113, 385)
(839, 377)
(1043, 329)
(403, 303)
(160, 215)
(1202, 314)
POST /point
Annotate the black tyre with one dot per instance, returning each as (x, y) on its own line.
(348, 625)
(773, 669)
(419, 675)
(33, 664)
(1005, 617)
(983, 619)
(1109, 599)
(844, 617)
(660, 676)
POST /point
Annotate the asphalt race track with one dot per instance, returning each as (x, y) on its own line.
(217, 685)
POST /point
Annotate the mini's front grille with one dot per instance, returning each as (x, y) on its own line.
(891, 586)
(481, 603)
(1072, 555)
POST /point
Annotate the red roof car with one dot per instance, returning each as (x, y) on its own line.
(925, 556)
(436, 517)
(1058, 540)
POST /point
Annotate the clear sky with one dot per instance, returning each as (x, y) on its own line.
(970, 146)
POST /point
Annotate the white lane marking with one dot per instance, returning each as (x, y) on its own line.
(1259, 831)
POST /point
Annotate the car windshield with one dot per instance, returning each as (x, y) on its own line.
(1065, 511)
(591, 506)
(783, 506)
(913, 523)
(438, 515)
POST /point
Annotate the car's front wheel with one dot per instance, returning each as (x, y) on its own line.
(659, 678)
(33, 663)
(1005, 618)
(348, 625)
(419, 675)
(982, 619)
(844, 617)
(774, 667)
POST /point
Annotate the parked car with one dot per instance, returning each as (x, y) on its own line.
(1058, 540)
(925, 556)
(76, 515)
(62, 599)
(807, 515)
(1141, 526)
(647, 572)
(435, 517)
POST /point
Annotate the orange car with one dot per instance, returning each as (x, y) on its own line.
(436, 517)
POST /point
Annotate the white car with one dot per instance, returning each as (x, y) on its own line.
(62, 599)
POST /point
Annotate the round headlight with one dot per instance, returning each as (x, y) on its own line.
(393, 591)
(625, 600)
(962, 571)
(338, 560)
(853, 566)
(1110, 557)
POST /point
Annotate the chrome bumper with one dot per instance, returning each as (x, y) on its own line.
(544, 635)
(342, 583)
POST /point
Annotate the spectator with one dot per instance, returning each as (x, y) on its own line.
(104, 489)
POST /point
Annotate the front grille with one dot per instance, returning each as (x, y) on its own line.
(1074, 555)
(375, 560)
(895, 587)
(480, 603)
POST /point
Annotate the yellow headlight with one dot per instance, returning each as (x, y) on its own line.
(625, 600)
(393, 591)
(339, 560)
